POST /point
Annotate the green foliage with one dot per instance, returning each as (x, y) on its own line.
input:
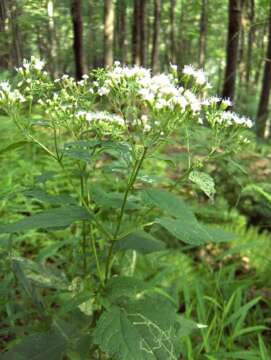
(104, 249)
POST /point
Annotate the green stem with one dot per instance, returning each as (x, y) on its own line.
(131, 182)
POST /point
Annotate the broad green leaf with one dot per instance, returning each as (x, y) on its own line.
(170, 203)
(117, 336)
(28, 287)
(13, 146)
(41, 346)
(124, 286)
(39, 194)
(190, 232)
(81, 149)
(144, 330)
(141, 242)
(52, 218)
(217, 234)
(111, 199)
(41, 275)
(204, 181)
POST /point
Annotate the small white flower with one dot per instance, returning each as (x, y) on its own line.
(227, 102)
(103, 91)
(174, 67)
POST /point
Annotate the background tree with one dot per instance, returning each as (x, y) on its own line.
(232, 48)
(203, 31)
(262, 113)
(156, 36)
(108, 32)
(77, 38)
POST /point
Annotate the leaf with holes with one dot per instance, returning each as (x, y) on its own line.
(204, 181)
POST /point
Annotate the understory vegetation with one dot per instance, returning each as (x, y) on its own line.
(135, 167)
(129, 213)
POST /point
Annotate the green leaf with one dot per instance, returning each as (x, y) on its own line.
(111, 199)
(28, 287)
(41, 346)
(190, 232)
(39, 194)
(52, 218)
(218, 235)
(170, 203)
(13, 146)
(41, 275)
(81, 149)
(140, 241)
(124, 286)
(145, 330)
(204, 181)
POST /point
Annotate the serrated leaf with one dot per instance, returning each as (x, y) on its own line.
(190, 232)
(140, 241)
(170, 203)
(144, 330)
(195, 233)
(52, 218)
(124, 286)
(40, 346)
(204, 181)
(41, 275)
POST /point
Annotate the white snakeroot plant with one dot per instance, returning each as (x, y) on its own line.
(104, 132)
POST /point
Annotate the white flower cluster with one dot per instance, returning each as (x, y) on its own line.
(100, 116)
(9, 96)
(198, 75)
(229, 118)
(159, 91)
(33, 64)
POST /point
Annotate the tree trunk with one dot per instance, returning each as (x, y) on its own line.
(262, 113)
(156, 36)
(203, 30)
(4, 55)
(17, 52)
(232, 48)
(250, 40)
(52, 39)
(122, 28)
(91, 59)
(172, 32)
(77, 38)
(142, 31)
(108, 32)
(136, 34)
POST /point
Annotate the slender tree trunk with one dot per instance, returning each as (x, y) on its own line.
(172, 31)
(203, 30)
(52, 39)
(262, 113)
(136, 33)
(122, 28)
(156, 36)
(142, 31)
(92, 44)
(17, 52)
(78, 38)
(4, 54)
(250, 40)
(109, 14)
(260, 40)
(232, 48)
